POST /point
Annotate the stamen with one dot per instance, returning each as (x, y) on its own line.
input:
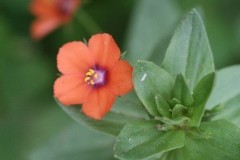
(88, 74)
(87, 79)
(92, 82)
(95, 77)
(91, 71)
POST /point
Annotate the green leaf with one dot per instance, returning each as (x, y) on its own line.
(180, 121)
(230, 111)
(179, 111)
(182, 92)
(227, 86)
(111, 124)
(130, 105)
(175, 101)
(151, 24)
(211, 113)
(216, 140)
(149, 81)
(200, 94)
(142, 140)
(227, 92)
(73, 143)
(189, 51)
(163, 106)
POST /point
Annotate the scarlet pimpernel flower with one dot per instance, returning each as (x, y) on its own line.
(92, 75)
(50, 14)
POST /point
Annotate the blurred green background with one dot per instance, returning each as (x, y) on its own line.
(32, 126)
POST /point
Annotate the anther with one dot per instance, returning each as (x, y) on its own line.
(92, 82)
(87, 79)
(95, 77)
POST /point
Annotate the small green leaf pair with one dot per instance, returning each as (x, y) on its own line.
(156, 89)
(182, 92)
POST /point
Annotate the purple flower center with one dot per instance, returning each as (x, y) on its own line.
(65, 7)
(96, 77)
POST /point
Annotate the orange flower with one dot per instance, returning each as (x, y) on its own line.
(50, 14)
(93, 75)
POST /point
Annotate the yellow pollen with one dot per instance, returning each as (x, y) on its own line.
(91, 71)
(92, 82)
(95, 76)
(90, 76)
(87, 79)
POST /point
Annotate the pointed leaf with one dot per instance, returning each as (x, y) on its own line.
(200, 94)
(111, 124)
(142, 140)
(216, 140)
(179, 111)
(189, 51)
(182, 92)
(163, 106)
(149, 81)
(175, 101)
(176, 121)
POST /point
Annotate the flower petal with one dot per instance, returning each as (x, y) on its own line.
(98, 103)
(71, 89)
(42, 8)
(62, 9)
(42, 27)
(74, 57)
(120, 78)
(105, 50)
